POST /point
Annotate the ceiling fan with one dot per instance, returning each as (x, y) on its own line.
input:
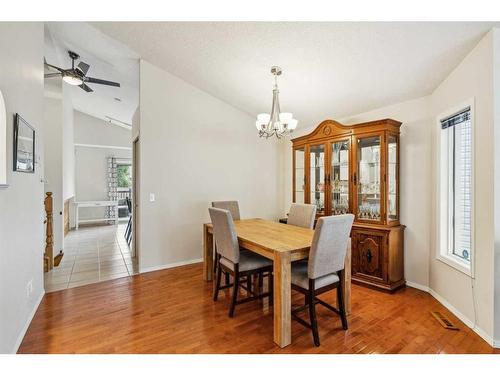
(76, 76)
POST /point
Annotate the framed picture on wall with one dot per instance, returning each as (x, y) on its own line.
(24, 146)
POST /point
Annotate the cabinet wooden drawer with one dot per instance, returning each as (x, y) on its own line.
(369, 255)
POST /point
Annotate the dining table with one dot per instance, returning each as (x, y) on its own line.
(283, 244)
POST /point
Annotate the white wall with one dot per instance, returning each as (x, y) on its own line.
(53, 141)
(92, 162)
(68, 147)
(136, 125)
(94, 131)
(195, 149)
(22, 214)
(496, 93)
(473, 78)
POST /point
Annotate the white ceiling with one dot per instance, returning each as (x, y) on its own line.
(108, 59)
(330, 69)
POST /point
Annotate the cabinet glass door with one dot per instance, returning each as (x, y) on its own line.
(368, 175)
(300, 176)
(317, 177)
(339, 177)
(392, 176)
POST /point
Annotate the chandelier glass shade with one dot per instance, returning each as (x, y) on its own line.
(277, 123)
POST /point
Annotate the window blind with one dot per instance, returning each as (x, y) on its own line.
(459, 132)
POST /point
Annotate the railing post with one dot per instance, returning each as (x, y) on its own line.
(49, 238)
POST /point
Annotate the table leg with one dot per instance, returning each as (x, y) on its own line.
(208, 254)
(345, 279)
(282, 299)
(76, 216)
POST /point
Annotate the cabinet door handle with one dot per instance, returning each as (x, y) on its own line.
(354, 180)
(369, 256)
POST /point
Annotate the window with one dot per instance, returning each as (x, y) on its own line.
(124, 175)
(456, 176)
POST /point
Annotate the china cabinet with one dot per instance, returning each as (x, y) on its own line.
(355, 169)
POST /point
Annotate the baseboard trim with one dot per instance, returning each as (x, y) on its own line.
(469, 323)
(28, 322)
(457, 313)
(417, 286)
(170, 265)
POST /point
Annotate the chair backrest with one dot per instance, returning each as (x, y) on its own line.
(302, 215)
(231, 206)
(225, 234)
(329, 245)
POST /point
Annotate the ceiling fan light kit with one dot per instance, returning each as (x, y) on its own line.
(277, 123)
(72, 80)
(77, 76)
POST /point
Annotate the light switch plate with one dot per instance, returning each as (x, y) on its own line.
(152, 197)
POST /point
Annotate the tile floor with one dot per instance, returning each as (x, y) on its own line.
(92, 254)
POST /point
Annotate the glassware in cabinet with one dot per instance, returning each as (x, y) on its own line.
(368, 176)
(339, 177)
(392, 176)
(300, 175)
(317, 178)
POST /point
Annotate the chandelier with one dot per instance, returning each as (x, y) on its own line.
(277, 123)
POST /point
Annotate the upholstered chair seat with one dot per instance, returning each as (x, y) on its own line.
(248, 261)
(300, 277)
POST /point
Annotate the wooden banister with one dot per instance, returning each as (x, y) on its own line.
(49, 234)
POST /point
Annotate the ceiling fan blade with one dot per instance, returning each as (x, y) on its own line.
(83, 67)
(101, 81)
(53, 66)
(84, 87)
(50, 75)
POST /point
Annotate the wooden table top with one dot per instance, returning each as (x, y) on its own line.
(273, 236)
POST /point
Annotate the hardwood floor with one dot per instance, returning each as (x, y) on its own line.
(171, 311)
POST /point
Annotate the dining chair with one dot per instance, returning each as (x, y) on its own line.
(302, 215)
(240, 264)
(323, 270)
(231, 206)
(234, 208)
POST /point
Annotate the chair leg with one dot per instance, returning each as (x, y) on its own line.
(312, 313)
(217, 283)
(215, 261)
(261, 282)
(249, 285)
(235, 291)
(226, 277)
(341, 306)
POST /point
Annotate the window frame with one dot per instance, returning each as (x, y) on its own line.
(444, 252)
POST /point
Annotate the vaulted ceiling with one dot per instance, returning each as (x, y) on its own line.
(330, 70)
(108, 59)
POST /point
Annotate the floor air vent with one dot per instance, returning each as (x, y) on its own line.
(444, 321)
